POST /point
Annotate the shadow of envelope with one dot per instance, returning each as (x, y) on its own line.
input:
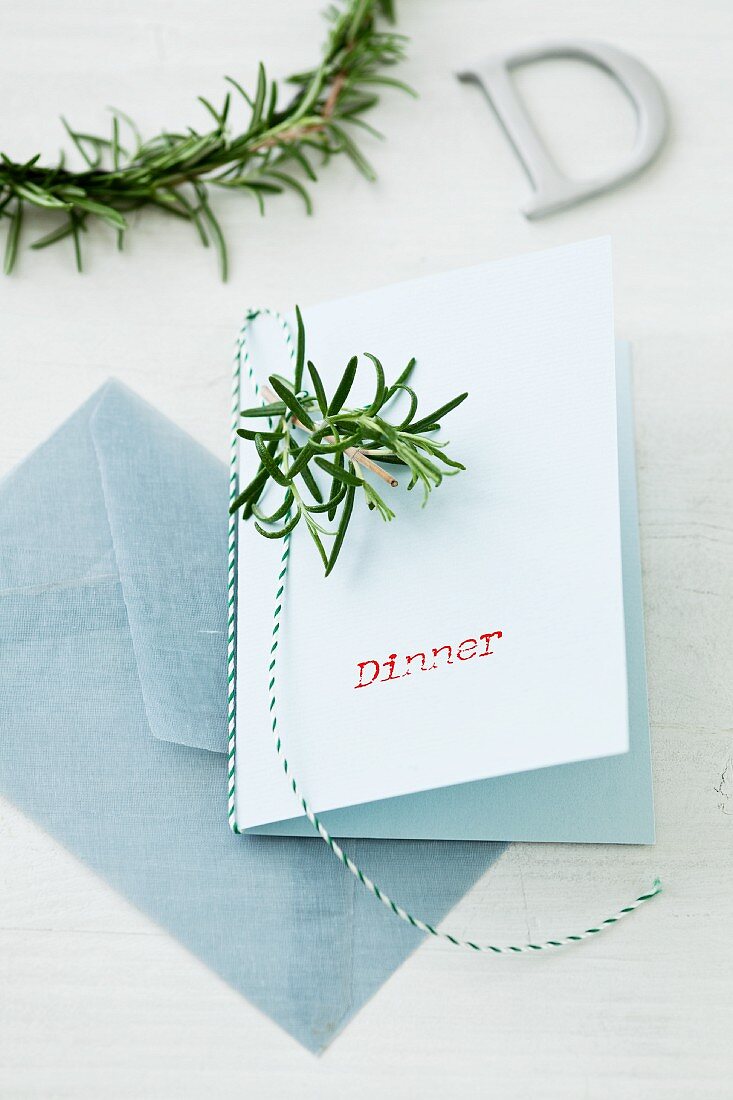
(112, 718)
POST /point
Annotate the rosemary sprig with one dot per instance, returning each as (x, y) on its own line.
(175, 171)
(309, 438)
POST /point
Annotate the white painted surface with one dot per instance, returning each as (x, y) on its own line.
(96, 1001)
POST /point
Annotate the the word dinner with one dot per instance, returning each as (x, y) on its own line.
(394, 667)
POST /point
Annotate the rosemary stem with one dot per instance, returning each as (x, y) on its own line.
(351, 452)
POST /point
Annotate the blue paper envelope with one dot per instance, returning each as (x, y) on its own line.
(112, 698)
(607, 800)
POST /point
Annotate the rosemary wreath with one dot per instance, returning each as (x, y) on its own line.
(309, 435)
(175, 171)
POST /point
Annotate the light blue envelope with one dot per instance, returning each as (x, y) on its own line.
(608, 800)
(112, 696)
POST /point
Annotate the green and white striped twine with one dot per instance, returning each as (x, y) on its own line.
(242, 360)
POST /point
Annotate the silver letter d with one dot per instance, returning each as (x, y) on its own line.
(552, 190)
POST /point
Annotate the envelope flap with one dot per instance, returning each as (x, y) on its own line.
(25, 566)
(276, 918)
(165, 497)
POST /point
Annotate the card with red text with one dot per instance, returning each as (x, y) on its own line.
(484, 634)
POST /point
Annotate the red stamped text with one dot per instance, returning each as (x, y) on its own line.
(394, 667)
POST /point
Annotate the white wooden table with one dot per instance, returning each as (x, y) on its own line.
(97, 1001)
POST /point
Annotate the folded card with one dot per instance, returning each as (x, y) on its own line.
(485, 634)
(603, 801)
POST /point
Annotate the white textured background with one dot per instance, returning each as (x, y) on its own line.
(94, 999)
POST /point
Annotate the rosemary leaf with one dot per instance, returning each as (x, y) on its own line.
(280, 532)
(421, 425)
(336, 472)
(292, 402)
(331, 504)
(276, 408)
(245, 433)
(252, 490)
(269, 463)
(318, 388)
(402, 380)
(278, 513)
(299, 350)
(313, 487)
(381, 390)
(344, 387)
(341, 533)
(13, 238)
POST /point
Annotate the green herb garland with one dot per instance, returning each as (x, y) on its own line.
(175, 171)
(309, 434)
